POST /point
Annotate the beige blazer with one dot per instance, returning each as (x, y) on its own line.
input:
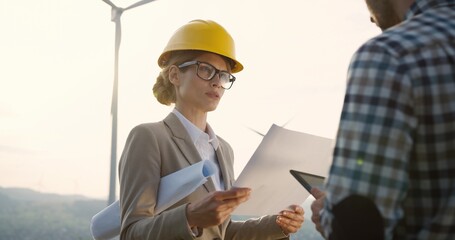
(154, 150)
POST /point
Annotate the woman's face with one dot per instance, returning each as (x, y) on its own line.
(194, 93)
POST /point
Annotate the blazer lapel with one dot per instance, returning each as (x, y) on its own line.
(184, 142)
(223, 168)
(182, 139)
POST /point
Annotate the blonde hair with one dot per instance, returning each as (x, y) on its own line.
(163, 89)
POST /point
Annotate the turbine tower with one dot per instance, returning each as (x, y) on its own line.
(116, 14)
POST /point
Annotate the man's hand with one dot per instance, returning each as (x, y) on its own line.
(316, 208)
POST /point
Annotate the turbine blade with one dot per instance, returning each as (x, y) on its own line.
(140, 3)
(286, 123)
(256, 131)
(110, 3)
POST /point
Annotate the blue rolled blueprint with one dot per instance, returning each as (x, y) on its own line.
(173, 187)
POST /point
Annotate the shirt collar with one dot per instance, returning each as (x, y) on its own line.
(196, 133)
(419, 6)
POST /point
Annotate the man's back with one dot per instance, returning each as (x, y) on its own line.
(427, 54)
(396, 140)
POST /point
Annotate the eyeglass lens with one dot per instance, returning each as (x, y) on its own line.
(207, 72)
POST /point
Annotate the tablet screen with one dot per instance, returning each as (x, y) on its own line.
(308, 180)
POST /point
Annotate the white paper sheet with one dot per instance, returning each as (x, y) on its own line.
(267, 172)
(173, 187)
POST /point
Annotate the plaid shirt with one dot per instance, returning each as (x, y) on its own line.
(396, 138)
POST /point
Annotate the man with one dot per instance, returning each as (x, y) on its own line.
(393, 170)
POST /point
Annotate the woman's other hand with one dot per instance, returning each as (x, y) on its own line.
(291, 220)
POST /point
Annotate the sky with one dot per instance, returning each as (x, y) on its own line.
(57, 68)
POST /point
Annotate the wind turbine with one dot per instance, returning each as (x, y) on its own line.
(263, 135)
(116, 14)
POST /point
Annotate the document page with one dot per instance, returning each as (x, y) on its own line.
(267, 172)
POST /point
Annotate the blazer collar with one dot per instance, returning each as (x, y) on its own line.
(194, 132)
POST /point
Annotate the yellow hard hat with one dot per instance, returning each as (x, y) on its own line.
(205, 35)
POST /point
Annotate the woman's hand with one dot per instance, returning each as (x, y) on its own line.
(216, 207)
(290, 221)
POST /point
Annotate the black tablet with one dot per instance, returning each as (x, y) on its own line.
(308, 180)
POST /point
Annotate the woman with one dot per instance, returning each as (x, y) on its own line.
(196, 70)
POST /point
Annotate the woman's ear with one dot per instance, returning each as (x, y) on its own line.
(174, 75)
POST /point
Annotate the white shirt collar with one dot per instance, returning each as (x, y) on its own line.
(196, 133)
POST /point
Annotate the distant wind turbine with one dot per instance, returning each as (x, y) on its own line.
(116, 13)
(263, 135)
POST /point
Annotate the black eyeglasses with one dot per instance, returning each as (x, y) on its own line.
(207, 72)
